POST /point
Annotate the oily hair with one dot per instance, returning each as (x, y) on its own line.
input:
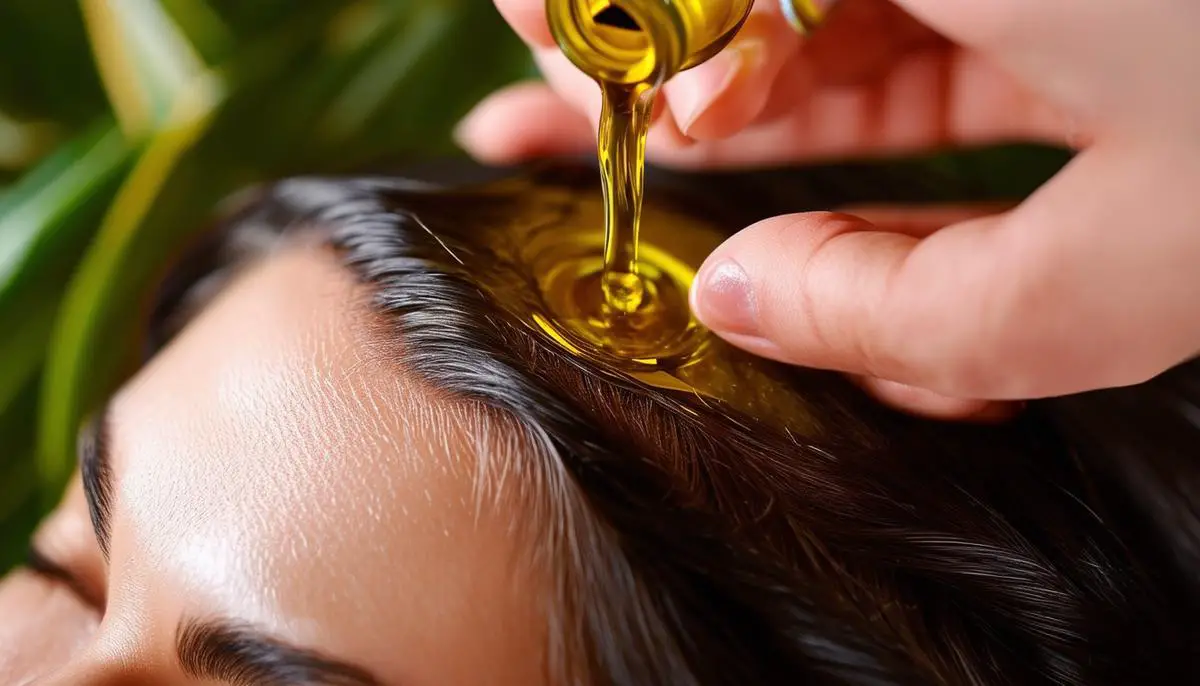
(691, 545)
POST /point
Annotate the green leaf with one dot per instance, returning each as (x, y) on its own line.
(46, 69)
(46, 221)
(100, 292)
(144, 58)
(20, 511)
(203, 28)
(19, 501)
(441, 84)
(24, 143)
(32, 210)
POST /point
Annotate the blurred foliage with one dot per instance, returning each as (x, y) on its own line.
(122, 124)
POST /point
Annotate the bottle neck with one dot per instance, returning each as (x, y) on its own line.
(629, 42)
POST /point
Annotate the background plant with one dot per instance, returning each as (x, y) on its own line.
(123, 123)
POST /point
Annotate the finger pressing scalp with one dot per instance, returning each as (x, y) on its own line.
(802, 285)
(833, 291)
(1050, 298)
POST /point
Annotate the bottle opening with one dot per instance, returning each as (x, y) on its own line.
(617, 18)
(626, 42)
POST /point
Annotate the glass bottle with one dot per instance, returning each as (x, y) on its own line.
(630, 42)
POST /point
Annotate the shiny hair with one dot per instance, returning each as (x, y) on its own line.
(696, 546)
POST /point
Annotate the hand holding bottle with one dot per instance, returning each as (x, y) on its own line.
(1091, 282)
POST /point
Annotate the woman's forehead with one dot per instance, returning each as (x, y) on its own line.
(276, 460)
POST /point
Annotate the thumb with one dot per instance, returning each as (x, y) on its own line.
(815, 289)
(1010, 306)
(834, 291)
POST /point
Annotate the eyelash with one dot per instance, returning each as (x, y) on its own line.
(51, 571)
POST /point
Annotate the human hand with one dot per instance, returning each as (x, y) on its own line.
(1091, 282)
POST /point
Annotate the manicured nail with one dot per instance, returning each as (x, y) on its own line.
(723, 299)
(695, 91)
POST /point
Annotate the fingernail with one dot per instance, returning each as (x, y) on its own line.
(697, 90)
(723, 299)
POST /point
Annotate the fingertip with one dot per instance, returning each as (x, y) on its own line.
(728, 288)
(724, 95)
(812, 282)
(664, 131)
(723, 298)
(520, 122)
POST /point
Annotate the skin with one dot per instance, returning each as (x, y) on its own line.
(296, 481)
(1089, 283)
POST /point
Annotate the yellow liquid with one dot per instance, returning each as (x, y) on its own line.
(624, 120)
(534, 248)
(630, 48)
(666, 347)
(660, 334)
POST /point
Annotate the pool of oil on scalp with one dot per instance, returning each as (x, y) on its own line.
(668, 351)
(625, 306)
(533, 246)
(660, 333)
(634, 311)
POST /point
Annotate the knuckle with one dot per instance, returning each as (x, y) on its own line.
(808, 305)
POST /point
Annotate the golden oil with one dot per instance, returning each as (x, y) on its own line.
(568, 266)
(533, 246)
(630, 48)
(621, 145)
(643, 42)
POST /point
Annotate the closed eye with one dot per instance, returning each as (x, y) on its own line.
(41, 565)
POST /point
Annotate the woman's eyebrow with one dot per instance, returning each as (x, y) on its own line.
(238, 654)
(96, 473)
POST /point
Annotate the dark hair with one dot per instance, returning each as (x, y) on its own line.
(695, 546)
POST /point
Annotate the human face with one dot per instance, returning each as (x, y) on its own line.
(275, 481)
